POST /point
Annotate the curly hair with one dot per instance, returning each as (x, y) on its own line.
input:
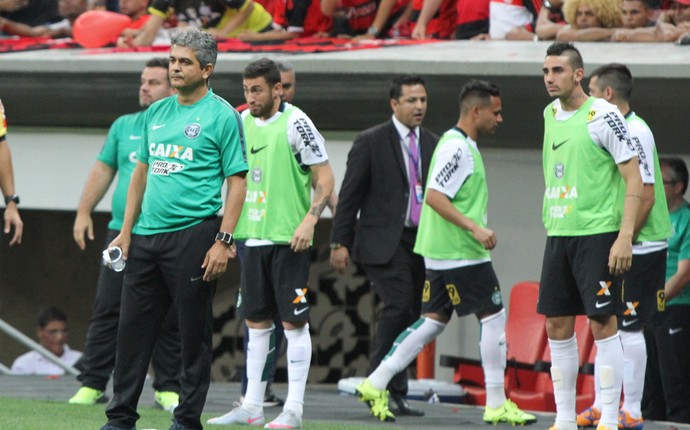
(608, 11)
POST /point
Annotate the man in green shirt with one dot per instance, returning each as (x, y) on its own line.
(118, 156)
(666, 396)
(193, 143)
(590, 220)
(455, 242)
(287, 158)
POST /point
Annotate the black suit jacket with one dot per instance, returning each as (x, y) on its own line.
(376, 186)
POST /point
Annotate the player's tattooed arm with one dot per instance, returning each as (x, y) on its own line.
(323, 187)
(331, 201)
(320, 202)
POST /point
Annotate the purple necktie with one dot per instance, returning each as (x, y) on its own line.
(415, 176)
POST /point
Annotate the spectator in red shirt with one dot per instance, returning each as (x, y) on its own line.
(472, 19)
(439, 26)
(362, 18)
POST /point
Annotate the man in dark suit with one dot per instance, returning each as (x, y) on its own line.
(384, 181)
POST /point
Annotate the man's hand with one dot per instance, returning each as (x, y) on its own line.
(485, 236)
(340, 258)
(232, 251)
(620, 35)
(419, 32)
(620, 257)
(12, 218)
(365, 36)
(83, 225)
(303, 235)
(123, 240)
(216, 260)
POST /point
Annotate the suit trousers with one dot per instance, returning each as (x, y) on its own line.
(98, 360)
(666, 396)
(163, 271)
(398, 284)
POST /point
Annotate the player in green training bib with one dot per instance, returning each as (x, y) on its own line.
(193, 143)
(287, 158)
(455, 242)
(641, 285)
(119, 156)
(591, 203)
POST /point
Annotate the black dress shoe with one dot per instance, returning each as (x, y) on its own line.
(403, 408)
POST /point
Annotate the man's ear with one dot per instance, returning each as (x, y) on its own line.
(609, 93)
(208, 71)
(579, 74)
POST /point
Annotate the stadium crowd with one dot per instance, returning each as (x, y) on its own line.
(275, 20)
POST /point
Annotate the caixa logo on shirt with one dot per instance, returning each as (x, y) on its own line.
(561, 192)
(171, 151)
(165, 168)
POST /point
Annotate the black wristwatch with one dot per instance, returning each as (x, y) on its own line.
(224, 237)
(13, 198)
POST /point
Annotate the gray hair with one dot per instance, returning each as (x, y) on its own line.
(202, 43)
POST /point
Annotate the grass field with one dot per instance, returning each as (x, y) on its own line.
(43, 415)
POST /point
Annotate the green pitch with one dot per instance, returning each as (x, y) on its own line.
(43, 415)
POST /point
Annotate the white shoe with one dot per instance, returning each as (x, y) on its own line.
(286, 420)
(239, 416)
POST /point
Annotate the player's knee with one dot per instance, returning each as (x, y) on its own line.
(293, 325)
(438, 317)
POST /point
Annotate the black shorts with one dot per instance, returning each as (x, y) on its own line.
(470, 290)
(575, 277)
(642, 291)
(274, 281)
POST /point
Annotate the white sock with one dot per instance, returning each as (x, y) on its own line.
(634, 367)
(610, 380)
(405, 349)
(564, 368)
(597, 389)
(492, 348)
(261, 345)
(299, 358)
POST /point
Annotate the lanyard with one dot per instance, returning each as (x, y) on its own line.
(418, 177)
